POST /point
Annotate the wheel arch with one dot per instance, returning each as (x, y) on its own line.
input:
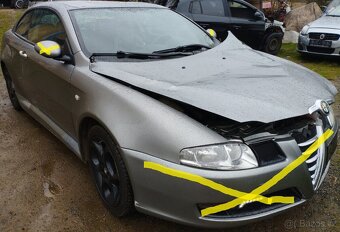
(85, 124)
(273, 29)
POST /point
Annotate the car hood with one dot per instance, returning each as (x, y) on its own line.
(326, 22)
(230, 80)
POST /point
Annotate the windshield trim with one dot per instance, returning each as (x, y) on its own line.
(88, 54)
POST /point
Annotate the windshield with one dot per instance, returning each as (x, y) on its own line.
(138, 30)
(333, 8)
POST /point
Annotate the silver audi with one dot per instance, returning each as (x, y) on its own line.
(322, 37)
(170, 122)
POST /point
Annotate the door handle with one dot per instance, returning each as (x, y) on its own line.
(23, 54)
(237, 27)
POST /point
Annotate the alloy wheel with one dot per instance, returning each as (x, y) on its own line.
(105, 171)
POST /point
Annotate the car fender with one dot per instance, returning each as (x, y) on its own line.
(138, 122)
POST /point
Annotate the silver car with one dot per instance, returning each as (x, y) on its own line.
(170, 122)
(322, 37)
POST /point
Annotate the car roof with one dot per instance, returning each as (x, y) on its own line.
(71, 5)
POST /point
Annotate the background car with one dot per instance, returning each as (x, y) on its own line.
(18, 4)
(245, 21)
(322, 37)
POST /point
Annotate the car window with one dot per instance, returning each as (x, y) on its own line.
(196, 7)
(46, 25)
(239, 10)
(141, 30)
(213, 7)
(24, 25)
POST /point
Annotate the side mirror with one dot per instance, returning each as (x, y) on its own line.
(258, 15)
(49, 49)
(212, 33)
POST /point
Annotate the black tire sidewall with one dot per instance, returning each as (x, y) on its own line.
(125, 204)
(270, 37)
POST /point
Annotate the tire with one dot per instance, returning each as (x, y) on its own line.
(109, 172)
(11, 91)
(273, 43)
(19, 4)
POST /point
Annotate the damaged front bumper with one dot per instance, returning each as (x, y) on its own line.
(180, 200)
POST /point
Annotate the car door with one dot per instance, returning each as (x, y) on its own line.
(48, 79)
(211, 14)
(17, 45)
(245, 25)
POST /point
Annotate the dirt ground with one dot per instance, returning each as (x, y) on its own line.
(44, 187)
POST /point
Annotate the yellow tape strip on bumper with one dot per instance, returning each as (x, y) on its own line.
(242, 196)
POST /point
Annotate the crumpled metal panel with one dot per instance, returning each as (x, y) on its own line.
(230, 80)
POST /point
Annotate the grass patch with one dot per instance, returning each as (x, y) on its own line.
(7, 19)
(327, 67)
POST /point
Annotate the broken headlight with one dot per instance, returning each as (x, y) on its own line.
(229, 156)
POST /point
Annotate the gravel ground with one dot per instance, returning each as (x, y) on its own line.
(44, 187)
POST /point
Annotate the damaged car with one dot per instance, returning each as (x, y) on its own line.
(244, 20)
(124, 85)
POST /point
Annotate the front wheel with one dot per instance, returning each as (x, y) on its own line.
(109, 172)
(273, 43)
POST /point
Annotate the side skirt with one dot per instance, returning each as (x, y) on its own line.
(43, 119)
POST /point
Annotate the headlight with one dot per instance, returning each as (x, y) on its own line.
(304, 30)
(230, 156)
(331, 116)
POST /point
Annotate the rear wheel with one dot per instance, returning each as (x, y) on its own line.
(11, 91)
(109, 172)
(273, 43)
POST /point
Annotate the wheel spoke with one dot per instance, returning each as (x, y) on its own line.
(99, 178)
(99, 151)
(95, 163)
(111, 194)
(105, 170)
(111, 169)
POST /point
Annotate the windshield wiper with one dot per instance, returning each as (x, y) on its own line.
(184, 48)
(136, 55)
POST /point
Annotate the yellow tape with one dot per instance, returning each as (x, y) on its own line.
(213, 185)
(46, 50)
(275, 179)
(242, 196)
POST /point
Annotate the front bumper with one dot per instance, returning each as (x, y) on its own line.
(179, 200)
(304, 44)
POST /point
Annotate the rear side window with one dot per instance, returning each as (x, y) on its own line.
(239, 10)
(196, 7)
(213, 7)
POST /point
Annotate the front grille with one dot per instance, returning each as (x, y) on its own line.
(320, 50)
(315, 161)
(305, 137)
(253, 208)
(328, 36)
